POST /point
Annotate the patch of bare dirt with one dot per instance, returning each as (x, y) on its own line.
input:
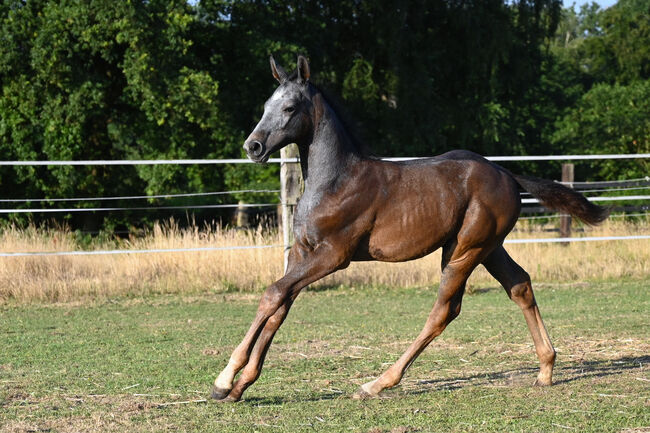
(210, 351)
(400, 429)
(110, 413)
(96, 422)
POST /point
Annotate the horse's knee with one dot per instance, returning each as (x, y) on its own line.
(522, 293)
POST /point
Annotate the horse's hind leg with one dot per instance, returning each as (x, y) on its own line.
(516, 281)
(457, 267)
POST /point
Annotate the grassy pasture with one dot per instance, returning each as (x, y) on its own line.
(142, 364)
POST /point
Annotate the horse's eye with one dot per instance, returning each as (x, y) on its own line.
(290, 109)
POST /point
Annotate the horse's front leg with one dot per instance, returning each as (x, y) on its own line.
(305, 267)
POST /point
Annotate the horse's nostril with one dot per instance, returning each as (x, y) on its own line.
(255, 147)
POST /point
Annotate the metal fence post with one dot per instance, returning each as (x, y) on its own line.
(289, 193)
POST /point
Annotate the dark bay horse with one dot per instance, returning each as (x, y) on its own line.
(358, 208)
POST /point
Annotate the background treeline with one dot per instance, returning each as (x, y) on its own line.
(138, 79)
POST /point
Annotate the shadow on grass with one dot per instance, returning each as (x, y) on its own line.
(280, 400)
(567, 373)
(325, 287)
(518, 377)
(316, 288)
(601, 368)
(471, 291)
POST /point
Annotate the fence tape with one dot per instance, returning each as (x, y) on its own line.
(115, 252)
(106, 209)
(637, 181)
(629, 188)
(618, 198)
(587, 239)
(245, 247)
(622, 215)
(296, 160)
(248, 205)
(136, 197)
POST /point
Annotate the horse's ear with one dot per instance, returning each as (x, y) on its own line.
(303, 69)
(278, 72)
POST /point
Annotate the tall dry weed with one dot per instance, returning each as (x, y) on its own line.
(66, 278)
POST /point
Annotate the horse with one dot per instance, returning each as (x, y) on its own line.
(359, 208)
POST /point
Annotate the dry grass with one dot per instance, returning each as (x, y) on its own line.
(67, 278)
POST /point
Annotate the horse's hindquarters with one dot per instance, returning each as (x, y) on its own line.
(469, 201)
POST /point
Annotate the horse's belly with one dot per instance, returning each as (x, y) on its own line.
(409, 235)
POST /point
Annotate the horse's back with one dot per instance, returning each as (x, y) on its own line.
(426, 202)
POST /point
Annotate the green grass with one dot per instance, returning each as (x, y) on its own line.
(109, 366)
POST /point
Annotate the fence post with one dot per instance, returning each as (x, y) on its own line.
(241, 216)
(565, 220)
(289, 193)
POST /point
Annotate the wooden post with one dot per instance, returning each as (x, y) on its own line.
(289, 193)
(565, 220)
(241, 216)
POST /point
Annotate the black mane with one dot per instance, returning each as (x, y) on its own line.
(342, 114)
(345, 119)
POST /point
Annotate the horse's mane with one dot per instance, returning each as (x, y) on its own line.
(342, 114)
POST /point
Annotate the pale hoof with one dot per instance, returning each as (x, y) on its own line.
(362, 394)
(542, 382)
(220, 394)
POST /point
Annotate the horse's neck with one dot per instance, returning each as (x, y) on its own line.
(331, 152)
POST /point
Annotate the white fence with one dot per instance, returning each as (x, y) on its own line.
(257, 205)
(279, 160)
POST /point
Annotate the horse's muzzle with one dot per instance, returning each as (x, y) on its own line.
(254, 149)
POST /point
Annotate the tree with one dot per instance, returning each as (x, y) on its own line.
(419, 78)
(610, 119)
(617, 43)
(105, 80)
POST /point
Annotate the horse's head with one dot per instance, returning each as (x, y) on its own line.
(286, 117)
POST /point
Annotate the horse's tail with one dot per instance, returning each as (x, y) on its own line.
(556, 196)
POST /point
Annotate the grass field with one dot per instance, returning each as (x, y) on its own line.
(146, 363)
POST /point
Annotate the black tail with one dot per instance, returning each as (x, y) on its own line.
(556, 196)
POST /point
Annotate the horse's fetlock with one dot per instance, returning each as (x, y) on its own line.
(549, 357)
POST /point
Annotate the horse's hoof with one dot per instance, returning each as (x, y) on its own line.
(540, 382)
(219, 393)
(362, 394)
(227, 399)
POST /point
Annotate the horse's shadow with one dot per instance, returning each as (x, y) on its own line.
(564, 373)
(602, 368)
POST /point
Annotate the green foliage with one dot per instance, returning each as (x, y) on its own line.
(358, 83)
(617, 48)
(98, 80)
(610, 119)
(86, 79)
